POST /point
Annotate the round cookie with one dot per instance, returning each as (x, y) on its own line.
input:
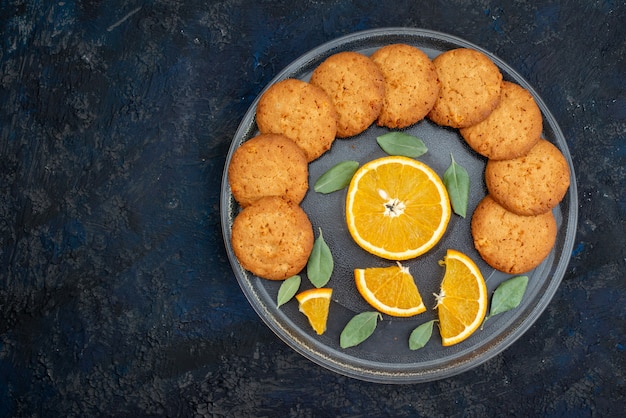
(470, 88)
(356, 87)
(511, 243)
(272, 238)
(268, 165)
(532, 184)
(300, 111)
(511, 130)
(411, 84)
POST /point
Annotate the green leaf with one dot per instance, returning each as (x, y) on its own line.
(320, 264)
(287, 290)
(508, 295)
(336, 178)
(359, 328)
(457, 183)
(420, 335)
(399, 143)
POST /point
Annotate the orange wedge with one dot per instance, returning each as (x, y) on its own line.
(462, 301)
(315, 304)
(390, 290)
(397, 208)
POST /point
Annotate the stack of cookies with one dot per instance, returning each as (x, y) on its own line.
(298, 121)
(513, 227)
(397, 86)
(272, 236)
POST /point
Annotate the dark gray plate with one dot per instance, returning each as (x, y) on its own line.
(385, 356)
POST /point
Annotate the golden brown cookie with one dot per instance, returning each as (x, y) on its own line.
(512, 243)
(272, 238)
(470, 88)
(511, 130)
(300, 111)
(356, 87)
(411, 84)
(268, 165)
(532, 184)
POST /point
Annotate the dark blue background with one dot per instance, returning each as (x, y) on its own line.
(116, 297)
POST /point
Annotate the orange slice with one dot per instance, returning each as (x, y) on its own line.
(315, 303)
(390, 290)
(397, 208)
(462, 301)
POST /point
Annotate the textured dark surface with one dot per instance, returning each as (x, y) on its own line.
(116, 297)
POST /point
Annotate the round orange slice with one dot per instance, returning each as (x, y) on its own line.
(397, 208)
(462, 300)
(390, 290)
(315, 304)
